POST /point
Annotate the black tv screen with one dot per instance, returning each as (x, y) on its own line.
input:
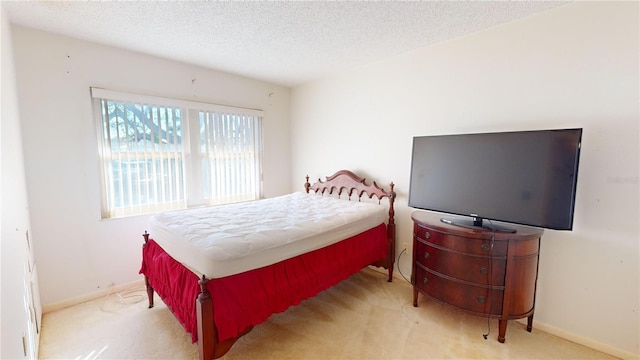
(525, 177)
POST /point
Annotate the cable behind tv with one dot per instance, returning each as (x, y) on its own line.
(490, 274)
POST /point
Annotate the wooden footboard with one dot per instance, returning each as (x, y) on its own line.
(344, 181)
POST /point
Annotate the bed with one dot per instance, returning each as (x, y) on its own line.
(222, 270)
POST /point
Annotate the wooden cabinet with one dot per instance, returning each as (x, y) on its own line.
(476, 270)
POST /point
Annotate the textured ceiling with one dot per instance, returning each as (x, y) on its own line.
(286, 43)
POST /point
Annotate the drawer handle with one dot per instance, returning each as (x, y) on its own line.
(425, 280)
(483, 271)
(481, 299)
(426, 255)
(427, 235)
(485, 247)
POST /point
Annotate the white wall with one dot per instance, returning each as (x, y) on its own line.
(16, 302)
(79, 254)
(573, 66)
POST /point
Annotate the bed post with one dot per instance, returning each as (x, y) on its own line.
(146, 278)
(204, 317)
(391, 232)
(209, 347)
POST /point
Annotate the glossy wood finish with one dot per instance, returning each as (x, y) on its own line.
(478, 271)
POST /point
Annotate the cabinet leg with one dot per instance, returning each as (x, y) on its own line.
(530, 323)
(415, 297)
(502, 325)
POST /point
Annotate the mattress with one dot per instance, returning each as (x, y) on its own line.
(219, 241)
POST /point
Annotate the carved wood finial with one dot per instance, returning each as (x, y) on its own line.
(145, 236)
(203, 283)
(204, 292)
(392, 194)
(307, 185)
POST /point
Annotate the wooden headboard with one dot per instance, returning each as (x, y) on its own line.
(347, 181)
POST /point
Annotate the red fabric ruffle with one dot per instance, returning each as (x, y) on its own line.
(249, 298)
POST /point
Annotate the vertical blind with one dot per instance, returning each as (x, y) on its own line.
(161, 154)
(230, 144)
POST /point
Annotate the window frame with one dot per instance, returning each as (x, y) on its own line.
(191, 154)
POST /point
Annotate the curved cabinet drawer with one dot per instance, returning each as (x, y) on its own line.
(461, 244)
(478, 299)
(473, 268)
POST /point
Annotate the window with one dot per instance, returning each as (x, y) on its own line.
(161, 154)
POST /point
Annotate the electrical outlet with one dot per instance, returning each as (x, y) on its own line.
(405, 246)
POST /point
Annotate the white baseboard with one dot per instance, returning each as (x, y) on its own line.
(590, 343)
(88, 297)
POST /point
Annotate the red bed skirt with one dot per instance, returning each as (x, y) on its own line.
(249, 298)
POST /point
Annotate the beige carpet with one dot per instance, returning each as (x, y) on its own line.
(363, 317)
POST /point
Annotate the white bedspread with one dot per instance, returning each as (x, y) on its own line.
(218, 241)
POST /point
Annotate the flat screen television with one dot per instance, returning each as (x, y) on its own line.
(523, 177)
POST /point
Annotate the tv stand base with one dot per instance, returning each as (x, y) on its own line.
(479, 271)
